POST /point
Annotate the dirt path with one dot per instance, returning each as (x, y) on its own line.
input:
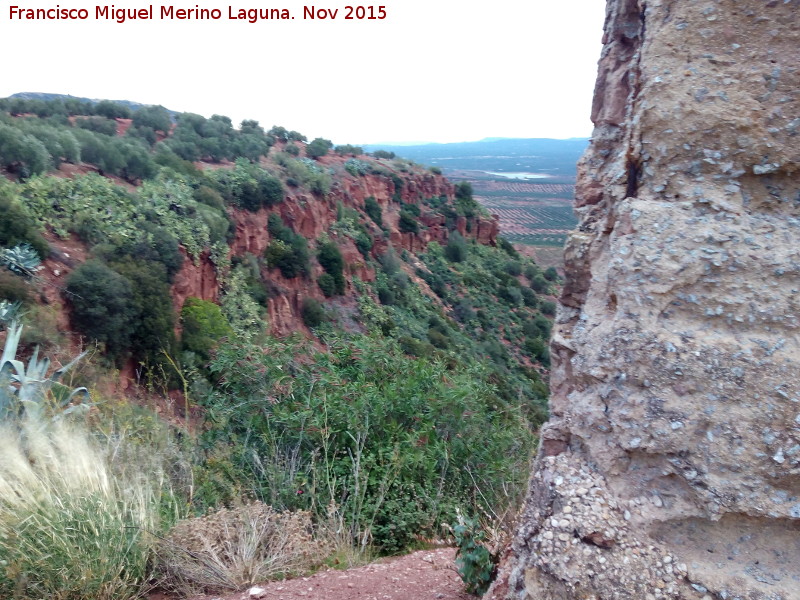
(423, 575)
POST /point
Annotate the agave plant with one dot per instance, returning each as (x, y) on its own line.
(28, 390)
(21, 259)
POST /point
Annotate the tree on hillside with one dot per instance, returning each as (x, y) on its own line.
(318, 148)
(156, 117)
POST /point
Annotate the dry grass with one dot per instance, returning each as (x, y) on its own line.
(233, 548)
(69, 527)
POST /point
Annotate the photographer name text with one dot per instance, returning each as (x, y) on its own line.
(152, 12)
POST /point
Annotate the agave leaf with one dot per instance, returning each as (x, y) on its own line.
(12, 341)
(37, 369)
(60, 372)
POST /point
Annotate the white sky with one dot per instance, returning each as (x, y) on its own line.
(436, 70)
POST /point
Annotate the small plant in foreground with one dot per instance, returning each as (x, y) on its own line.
(70, 528)
(233, 548)
(475, 563)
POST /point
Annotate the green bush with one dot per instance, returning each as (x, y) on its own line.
(373, 210)
(13, 287)
(408, 222)
(318, 148)
(288, 251)
(474, 562)
(548, 308)
(102, 306)
(330, 259)
(312, 312)
(17, 226)
(327, 284)
(203, 326)
(456, 249)
(389, 438)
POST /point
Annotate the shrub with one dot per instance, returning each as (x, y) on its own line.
(288, 251)
(292, 149)
(318, 148)
(233, 548)
(203, 326)
(383, 154)
(13, 287)
(102, 305)
(456, 249)
(548, 308)
(373, 210)
(540, 284)
(70, 527)
(312, 312)
(408, 223)
(327, 284)
(551, 274)
(507, 247)
(474, 562)
(330, 259)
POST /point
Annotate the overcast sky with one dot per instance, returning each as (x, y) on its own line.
(432, 70)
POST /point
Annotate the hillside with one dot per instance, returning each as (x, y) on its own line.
(272, 319)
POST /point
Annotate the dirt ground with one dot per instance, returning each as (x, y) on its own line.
(423, 575)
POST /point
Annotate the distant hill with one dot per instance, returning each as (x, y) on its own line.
(537, 155)
(49, 97)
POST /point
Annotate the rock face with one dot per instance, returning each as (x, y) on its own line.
(670, 467)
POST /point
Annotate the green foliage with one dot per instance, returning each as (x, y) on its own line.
(155, 117)
(203, 326)
(240, 308)
(408, 222)
(357, 167)
(507, 247)
(21, 259)
(318, 148)
(305, 172)
(388, 438)
(153, 323)
(312, 312)
(98, 125)
(288, 251)
(74, 523)
(249, 186)
(373, 210)
(111, 110)
(330, 259)
(540, 284)
(456, 249)
(346, 149)
(548, 308)
(13, 288)
(551, 274)
(474, 562)
(21, 153)
(102, 306)
(326, 283)
(292, 149)
(99, 211)
(383, 154)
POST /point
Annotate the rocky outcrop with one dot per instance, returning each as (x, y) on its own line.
(670, 467)
(312, 216)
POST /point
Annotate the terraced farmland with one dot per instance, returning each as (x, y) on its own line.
(538, 214)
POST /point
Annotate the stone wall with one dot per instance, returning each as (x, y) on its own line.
(670, 467)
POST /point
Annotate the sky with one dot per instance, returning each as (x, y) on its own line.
(430, 71)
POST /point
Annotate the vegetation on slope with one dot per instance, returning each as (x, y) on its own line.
(417, 397)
